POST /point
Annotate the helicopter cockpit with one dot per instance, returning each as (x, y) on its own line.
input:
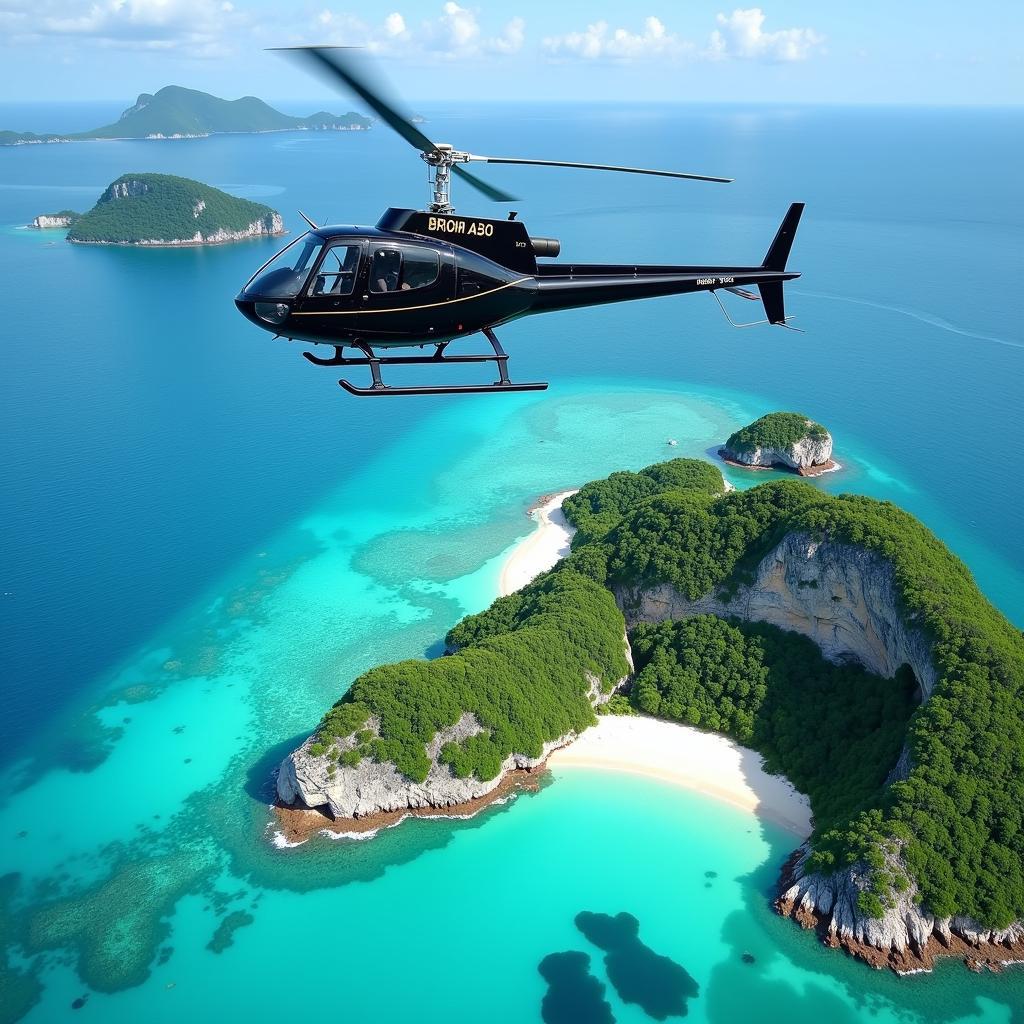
(283, 276)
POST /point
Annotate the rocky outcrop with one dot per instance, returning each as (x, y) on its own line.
(906, 939)
(126, 189)
(373, 788)
(46, 221)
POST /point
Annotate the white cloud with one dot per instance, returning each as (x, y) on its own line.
(196, 27)
(741, 34)
(599, 40)
(454, 33)
(394, 24)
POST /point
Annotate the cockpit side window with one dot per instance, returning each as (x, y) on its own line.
(403, 269)
(283, 276)
(385, 270)
(419, 267)
(336, 274)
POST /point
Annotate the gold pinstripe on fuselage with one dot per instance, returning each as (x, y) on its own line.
(409, 309)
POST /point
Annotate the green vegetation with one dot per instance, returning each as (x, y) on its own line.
(756, 683)
(525, 676)
(955, 826)
(165, 208)
(776, 430)
(599, 505)
(177, 111)
(617, 704)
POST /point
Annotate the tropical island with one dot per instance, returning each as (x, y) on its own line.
(178, 113)
(783, 440)
(836, 636)
(162, 209)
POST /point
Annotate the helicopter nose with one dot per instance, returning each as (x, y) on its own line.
(268, 315)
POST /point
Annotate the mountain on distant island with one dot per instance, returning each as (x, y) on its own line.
(162, 209)
(175, 113)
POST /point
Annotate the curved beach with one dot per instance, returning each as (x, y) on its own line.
(667, 751)
(541, 549)
(684, 756)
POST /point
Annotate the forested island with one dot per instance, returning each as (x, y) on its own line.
(837, 636)
(161, 209)
(784, 440)
(177, 113)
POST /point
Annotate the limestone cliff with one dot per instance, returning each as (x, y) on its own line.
(371, 788)
(841, 596)
(47, 221)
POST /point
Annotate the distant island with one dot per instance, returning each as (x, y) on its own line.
(835, 635)
(161, 209)
(783, 440)
(178, 113)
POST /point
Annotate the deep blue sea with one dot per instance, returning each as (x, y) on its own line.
(205, 540)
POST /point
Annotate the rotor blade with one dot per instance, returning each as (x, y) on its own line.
(481, 186)
(337, 62)
(598, 167)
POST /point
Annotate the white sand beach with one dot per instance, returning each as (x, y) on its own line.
(685, 756)
(542, 549)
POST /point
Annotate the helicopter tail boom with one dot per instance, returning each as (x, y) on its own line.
(568, 286)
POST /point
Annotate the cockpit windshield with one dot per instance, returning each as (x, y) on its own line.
(284, 275)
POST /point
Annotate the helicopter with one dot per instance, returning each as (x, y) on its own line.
(428, 278)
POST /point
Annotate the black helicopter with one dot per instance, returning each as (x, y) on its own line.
(427, 278)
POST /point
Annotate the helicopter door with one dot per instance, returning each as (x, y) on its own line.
(335, 286)
(407, 289)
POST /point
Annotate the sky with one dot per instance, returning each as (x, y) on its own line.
(895, 52)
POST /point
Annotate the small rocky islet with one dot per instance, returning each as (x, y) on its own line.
(781, 440)
(736, 612)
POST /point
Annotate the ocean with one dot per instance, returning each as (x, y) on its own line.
(206, 540)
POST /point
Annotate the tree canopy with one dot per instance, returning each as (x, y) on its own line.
(165, 208)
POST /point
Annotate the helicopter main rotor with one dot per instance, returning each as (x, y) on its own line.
(443, 159)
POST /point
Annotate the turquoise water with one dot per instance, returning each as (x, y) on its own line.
(208, 542)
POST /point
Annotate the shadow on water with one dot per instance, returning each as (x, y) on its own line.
(322, 862)
(754, 974)
(260, 776)
(574, 995)
(661, 987)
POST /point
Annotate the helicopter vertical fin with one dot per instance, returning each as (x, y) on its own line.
(775, 259)
(778, 251)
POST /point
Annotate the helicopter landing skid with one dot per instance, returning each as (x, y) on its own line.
(378, 387)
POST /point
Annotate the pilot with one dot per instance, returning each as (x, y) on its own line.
(387, 264)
